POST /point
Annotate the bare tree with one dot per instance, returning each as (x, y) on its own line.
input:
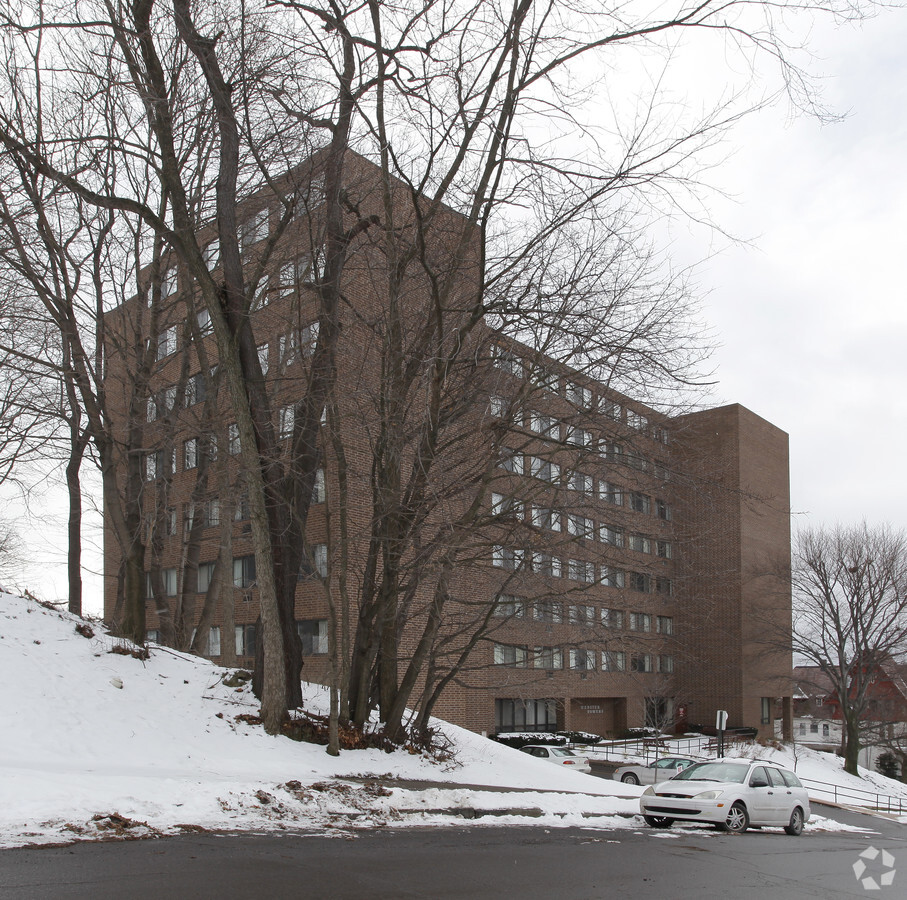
(850, 615)
(186, 119)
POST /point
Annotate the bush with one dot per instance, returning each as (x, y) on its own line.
(887, 764)
(518, 739)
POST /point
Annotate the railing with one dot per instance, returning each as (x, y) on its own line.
(855, 797)
(652, 748)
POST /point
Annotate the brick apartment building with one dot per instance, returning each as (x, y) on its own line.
(622, 564)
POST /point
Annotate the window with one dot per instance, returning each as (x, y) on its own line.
(664, 549)
(246, 639)
(262, 291)
(523, 715)
(825, 731)
(582, 614)
(506, 507)
(253, 229)
(546, 518)
(314, 636)
(211, 254)
(507, 606)
(153, 635)
(506, 558)
(213, 648)
(662, 510)
(160, 464)
(614, 661)
(548, 611)
(320, 560)
(203, 320)
(612, 618)
(580, 570)
(170, 521)
(546, 564)
(664, 625)
(611, 409)
(233, 444)
(637, 420)
(318, 490)
(582, 484)
(263, 358)
(813, 727)
(205, 574)
(765, 709)
(640, 662)
(151, 409)
(287, 419)
(289, 349)
(582, 660)
(545, 378)
(548, 658)
(640, 463)
(506, 361)
(608, 534)
(546, 426)
(190, 454)
(168, 582)
(639, 502)
(166, 343)
(580, 526)
(612, 577)
(542, 468)
(661, 434)
(287, 279)
(664, 586)
(611, 493)
(640, 543)
(641, 582)
(168, 283)
(803, 728)
(497, 406)
(666, 665)
(613, 452)
(578, 395)
(579, 437)
(640, 622)
(212, 513)
(244, 572)
(196, 390)
(509, 655)
(241, 511)
(512, 462)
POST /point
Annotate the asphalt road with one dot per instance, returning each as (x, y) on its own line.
(477, 862)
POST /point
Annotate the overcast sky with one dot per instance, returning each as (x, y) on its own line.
(811, 316)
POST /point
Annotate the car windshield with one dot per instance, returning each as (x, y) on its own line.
(716, 771)
(561, 751)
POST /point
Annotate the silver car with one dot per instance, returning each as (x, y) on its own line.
(560, 756)
(731, 794)
(661, 769)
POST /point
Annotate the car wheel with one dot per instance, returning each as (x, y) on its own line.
(796, 822)
(658, 821)
(737, 820)
(630, 778)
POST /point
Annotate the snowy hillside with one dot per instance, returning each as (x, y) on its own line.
(88, 732)
(98, 743)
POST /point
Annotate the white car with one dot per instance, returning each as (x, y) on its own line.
(730, 793)
(666, 767)
(560, 756)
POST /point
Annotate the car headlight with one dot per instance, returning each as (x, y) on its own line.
(649, 791)
(709, 795)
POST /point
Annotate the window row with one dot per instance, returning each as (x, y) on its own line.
(580, 396)
(514, 560)
(557, 612)
(312, 632)
(580, 659)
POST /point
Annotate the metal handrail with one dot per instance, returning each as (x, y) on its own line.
(857, 797)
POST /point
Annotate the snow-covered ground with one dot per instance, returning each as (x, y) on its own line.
(100, 744)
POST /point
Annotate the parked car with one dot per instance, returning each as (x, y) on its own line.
(666, 767)
(732, 794)
(560, 756)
